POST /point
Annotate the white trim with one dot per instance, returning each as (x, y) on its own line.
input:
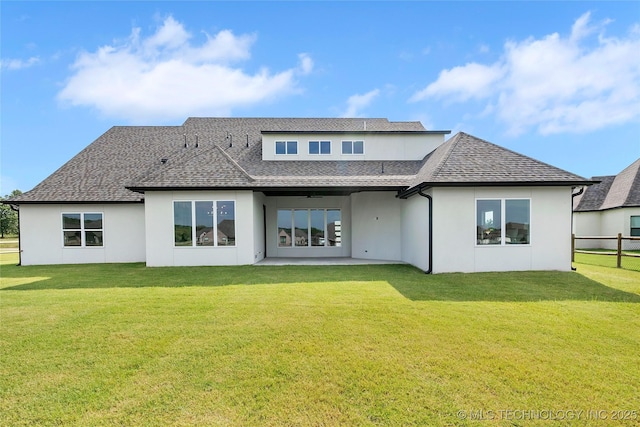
(503, 219)
(319, 141)
(214, 208)
(352, 153)
(286, 148)
(83, 238)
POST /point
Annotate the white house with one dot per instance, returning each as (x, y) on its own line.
(609, 207)
(232, 191)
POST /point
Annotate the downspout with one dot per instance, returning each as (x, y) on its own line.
(573, 195)
(17, 209)
(429, 271)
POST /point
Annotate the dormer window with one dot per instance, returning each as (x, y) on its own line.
(352, 147)
(286, 147)
(319, 147)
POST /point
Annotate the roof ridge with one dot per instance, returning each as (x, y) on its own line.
(234, 163)
(452, 143)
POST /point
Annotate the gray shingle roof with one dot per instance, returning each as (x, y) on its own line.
(229, 155)
(465, 159)
(615, 191)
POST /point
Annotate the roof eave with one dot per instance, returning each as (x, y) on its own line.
(416, 188)
(364, 132)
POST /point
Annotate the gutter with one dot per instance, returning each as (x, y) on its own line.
(430, 270)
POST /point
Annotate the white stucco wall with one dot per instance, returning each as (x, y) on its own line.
(42, 240)
(259, 244)
(376, 146)
(607, 223)
(415, 231)
(455, 248)
(376, 226)
(161, 250)
(302, 202)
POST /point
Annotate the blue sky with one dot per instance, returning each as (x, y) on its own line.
(557, 81)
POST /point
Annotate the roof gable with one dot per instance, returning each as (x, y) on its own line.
(465, 159)
(614, 191)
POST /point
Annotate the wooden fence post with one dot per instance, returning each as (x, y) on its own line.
(619, 264)
(573, 247)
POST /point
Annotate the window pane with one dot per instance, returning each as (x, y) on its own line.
(346, 147)
(182, 223)
(284, 227)
(301, 223)
(314, 147)
(93, 238)
(358, 147)
(516, 226)
(72, 238)
(325, 147)
(292, 147)
(71, 221)
(93, 221)
(489, 222)
(334, 227)
(317, 227)
(204, 223)
(281, 147)
(635, 226)
(226, 211)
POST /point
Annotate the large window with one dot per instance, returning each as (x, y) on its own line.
(204, 223)
(635, 226)
(309, 227)
(352, 147)
(503, 221)
(319, 147)
(286, 147)
(82, 229)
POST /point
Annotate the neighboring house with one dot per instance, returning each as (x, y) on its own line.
(610, 207)
(361, 188)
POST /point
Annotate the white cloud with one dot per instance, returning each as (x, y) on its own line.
(306, 63)
(18, 64)
(579, 83)
(167, 76)
(355, 103)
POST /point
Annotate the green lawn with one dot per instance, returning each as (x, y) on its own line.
(316, 345)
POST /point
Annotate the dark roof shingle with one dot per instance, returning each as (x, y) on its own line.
(126, 160)
(614, 191)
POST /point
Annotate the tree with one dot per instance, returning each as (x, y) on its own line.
(8, 217)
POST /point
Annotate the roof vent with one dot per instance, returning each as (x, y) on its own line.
(185, 140)
(196, 140)
(164, 160)
(247, 140)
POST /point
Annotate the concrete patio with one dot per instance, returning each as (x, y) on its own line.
(323, 261)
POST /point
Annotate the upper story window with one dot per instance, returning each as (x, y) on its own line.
(319, 147)
(286, 147)
(635, 226)
(82, 229)
(352, 147)
(503, 221)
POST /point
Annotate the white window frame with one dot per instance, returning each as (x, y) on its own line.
(503, 224)
(309, 245)
(193, 223)
(83, 230)
(351, 142)
(286, 148)
(319, 153)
